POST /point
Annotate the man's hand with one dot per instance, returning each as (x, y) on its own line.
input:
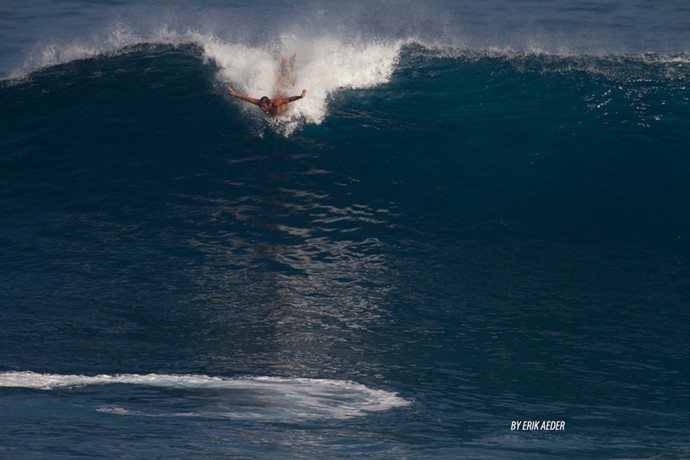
(304, 92)
(232, 92)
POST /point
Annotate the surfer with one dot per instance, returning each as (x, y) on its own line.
(277, 105)
(272, 107)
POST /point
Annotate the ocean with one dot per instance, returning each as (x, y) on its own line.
(471, 239)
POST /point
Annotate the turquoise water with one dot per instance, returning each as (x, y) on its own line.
(476, 217)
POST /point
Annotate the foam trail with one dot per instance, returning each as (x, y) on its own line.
(256, 397)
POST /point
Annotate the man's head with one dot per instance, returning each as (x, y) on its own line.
(265, 103)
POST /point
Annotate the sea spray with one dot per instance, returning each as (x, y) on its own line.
(322, 66)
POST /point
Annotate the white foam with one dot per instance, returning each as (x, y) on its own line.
(323, 66)
(262, 397)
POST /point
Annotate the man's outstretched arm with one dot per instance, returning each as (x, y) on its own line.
(251, 100)
(285, 100)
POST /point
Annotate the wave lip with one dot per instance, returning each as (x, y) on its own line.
(271, 398)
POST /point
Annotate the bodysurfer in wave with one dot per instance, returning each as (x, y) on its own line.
(277, 105)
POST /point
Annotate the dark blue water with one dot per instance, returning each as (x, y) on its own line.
(476, 217)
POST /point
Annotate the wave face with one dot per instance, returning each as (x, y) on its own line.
(476, 216)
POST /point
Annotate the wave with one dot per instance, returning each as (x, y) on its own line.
(613, 26)
(324, 62)
(336, 48)
(256, 397)
(325, 66)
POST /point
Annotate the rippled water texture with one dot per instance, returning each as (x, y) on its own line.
(477, 216)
